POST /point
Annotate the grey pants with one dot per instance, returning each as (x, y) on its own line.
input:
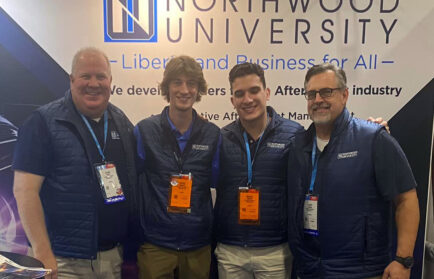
(250, 263)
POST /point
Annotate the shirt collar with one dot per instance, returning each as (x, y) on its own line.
(175, 130)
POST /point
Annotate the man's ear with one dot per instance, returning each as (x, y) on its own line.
(346, 94)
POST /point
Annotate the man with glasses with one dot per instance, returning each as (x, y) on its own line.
(344, 175)
(179, 153)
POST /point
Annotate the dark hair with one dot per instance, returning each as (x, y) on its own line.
(183, 65)
(245, 69)
(341, 78)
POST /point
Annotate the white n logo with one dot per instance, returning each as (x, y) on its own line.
(130, 20)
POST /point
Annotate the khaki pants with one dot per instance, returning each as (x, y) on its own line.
(254, 262)
(158, 262)
(106, 266)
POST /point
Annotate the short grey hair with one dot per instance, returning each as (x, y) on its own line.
(340, 75)
(82, 51)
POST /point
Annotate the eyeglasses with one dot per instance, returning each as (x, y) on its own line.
(323, 92)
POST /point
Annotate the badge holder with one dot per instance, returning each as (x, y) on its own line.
(248, 206)
(180, 193)
(310, 210)
(109, 182)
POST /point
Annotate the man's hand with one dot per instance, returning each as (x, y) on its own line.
(396, 270)
(379, 120)
(49, 262)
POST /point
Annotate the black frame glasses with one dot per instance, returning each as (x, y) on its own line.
(323, 92)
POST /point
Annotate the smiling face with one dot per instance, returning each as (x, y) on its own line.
(324, 111)
(183, 92)
(90, 84)
(250, 98)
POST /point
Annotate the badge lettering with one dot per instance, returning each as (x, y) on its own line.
(347, 155)
(276, 145)
(200, 147)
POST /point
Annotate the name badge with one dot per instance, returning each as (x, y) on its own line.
(108, 179)
(180, 193)
(311, 215)
(248, 206)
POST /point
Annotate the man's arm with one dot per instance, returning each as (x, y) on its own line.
(407, 223)
(26, 192)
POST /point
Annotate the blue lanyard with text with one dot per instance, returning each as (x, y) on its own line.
(101, 151)
(249, 158)
(314, 166)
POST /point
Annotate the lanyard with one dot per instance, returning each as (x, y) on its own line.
(101, 151)
(249, 157)
(178, 161)
(314, 166)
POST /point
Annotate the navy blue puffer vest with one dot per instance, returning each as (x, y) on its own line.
(269, 175)
(69, 193)
(353, 219)
(174, 230)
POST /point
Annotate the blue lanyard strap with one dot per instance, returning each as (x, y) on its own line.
(314, 166)
(101, 151)
(249, 158)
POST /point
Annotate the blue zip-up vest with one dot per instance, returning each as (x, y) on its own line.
(269, 175)
(69, 193)
(176, 230)
(353, 219)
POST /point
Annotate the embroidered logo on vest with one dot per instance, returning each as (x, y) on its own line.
(200, 147)
(347, 155)
(115, 135)
(275, 145)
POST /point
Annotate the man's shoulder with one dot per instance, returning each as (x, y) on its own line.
(279, 120)
(365, 123)
(302, 138)
(153, 120)
(57, 105)
(365, 127)
(290, 124)
(49, 111)
(286, 129)
(207, 125)
(116, 111)
(230, 128)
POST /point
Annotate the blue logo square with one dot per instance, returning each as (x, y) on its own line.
(127, 21)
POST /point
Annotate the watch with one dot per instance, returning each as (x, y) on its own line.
(407, 262)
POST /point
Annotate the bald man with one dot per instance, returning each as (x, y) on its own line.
(75, 175)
